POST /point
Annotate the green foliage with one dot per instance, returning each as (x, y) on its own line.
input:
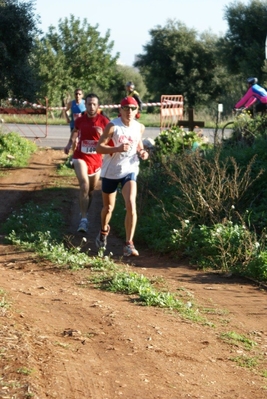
(257, 266)
(227, 247)
(164, 299)
(132, 283)
(74, 55)
(53, 71)
(66, 168)
(125, 74)
(204, 187)
(246, 129)
(202, 67)
(245, 361)
(39, 229)
(243, 46)
(30, 219)
(129, 283)
(178, 61)
(46, 247)
(209, 207)
(15, 150)
(236, 339)
(255, 197)
(17, 31)
(176, 141)
(3, 302)
(25, 371)
(42, 234)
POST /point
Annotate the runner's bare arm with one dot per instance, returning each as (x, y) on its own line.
(72, 141)
(103, 146)
(140, 148)
(67, 112)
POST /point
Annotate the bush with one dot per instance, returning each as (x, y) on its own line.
(203, 205)
(15, 151)
(177, 141)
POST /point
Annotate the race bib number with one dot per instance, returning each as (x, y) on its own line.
(88, 146)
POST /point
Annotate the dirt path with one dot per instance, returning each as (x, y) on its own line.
(61, 338)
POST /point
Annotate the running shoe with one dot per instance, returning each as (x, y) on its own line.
(102, 238)
(83, 226)
(130, 250)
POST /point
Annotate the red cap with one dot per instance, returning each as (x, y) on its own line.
(128, 101)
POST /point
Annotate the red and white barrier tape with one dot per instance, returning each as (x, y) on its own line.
(157, 104)
(144, 105)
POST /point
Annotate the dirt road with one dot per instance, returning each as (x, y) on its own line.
(62, 338)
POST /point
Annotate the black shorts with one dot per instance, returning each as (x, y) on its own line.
(111, 185)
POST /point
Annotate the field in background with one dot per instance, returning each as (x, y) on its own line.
(151, 120)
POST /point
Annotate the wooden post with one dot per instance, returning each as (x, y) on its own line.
(191, 123)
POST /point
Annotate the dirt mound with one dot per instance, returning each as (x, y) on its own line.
(61, 338)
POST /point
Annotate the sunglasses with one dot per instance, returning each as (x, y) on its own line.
(126, 108)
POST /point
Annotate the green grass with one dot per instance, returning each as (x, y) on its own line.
(148, 119)
(3, 302)
(151, 120)
(233, 338)
(121, 280)
(44, 236)
(25, 371)
(65, 169)
(15, 151)
(246, 361)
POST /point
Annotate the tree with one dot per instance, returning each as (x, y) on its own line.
(178, 61)
(128, 73)
(74, 55)
(18, 27)
(243, 47)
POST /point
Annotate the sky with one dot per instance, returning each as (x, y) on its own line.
(129, 22)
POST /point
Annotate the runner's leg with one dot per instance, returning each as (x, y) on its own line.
(108, 206)
(93, 180)
(129, 193)
(80, 168)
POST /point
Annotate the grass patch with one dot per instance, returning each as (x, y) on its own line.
(25, 371)
(245, 361)
(141, 290)
(243, 343)
(42, 235)
(233, 338)
(3, 302)
(15, 151)
(66, 168)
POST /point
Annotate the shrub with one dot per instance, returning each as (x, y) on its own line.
(176, 141)
(15, 151)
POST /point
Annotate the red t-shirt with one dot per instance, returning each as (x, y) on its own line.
(90, 130)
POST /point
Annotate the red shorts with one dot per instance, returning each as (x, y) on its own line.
(93, 161)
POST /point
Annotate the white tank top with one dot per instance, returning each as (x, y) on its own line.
(120, 164)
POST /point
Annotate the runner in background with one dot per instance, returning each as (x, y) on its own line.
(75, 108)
(131, 92)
